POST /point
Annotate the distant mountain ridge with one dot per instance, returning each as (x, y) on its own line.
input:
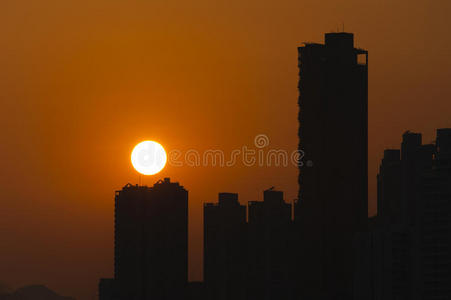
(33, 292)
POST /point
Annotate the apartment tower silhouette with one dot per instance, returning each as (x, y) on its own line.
(333, 178)
(151, 242)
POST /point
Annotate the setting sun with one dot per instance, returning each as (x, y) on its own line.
(148, 157)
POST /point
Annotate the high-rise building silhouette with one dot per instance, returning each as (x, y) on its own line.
(225, 248)
(411, 252)
(333, 179)
(248, 260)
(269, 248)
(391, 268)
(151, 242)
(434, 230)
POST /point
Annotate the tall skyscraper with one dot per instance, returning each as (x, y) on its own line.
(333, 180)
(151, 242)
(225, 248)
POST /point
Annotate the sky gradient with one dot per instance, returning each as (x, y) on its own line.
(82, 82)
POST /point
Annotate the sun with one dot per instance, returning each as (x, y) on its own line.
(148, 157)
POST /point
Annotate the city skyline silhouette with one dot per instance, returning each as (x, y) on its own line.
(323, 246)
(82, 83)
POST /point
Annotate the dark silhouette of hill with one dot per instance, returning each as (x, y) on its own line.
(4, 289)
(33, 292)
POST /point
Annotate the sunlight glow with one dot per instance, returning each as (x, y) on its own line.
(148, 157)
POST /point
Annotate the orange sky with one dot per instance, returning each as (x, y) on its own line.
(81, 82)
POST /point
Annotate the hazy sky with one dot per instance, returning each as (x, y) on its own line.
(81, 82)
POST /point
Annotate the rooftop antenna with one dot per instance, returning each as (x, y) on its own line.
(343, 24)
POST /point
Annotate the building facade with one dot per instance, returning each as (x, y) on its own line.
(412, 232)
(269, 253)
(225, 248)
(333, 179)
(151, 242)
